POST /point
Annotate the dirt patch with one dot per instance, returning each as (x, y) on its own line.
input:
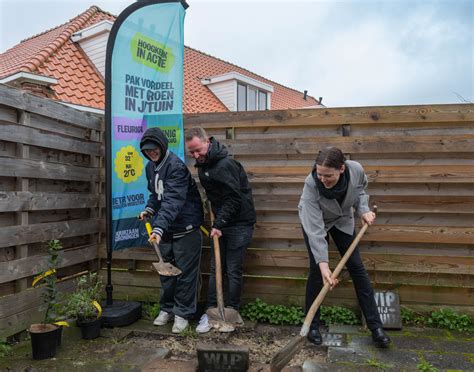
(263, 343)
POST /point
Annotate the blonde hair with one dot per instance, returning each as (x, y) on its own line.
(198, 132)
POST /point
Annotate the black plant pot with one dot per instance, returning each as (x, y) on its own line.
(44, 340)
(90, 329)
(59, 334)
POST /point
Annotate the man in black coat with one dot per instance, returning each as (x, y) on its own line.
(176, 210)
(227, 188)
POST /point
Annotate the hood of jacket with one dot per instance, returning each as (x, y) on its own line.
(216, 152)
(157, 136)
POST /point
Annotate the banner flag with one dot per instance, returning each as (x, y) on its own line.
(144, 88)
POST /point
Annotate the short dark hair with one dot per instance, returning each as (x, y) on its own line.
(198, 132)
(331, 157)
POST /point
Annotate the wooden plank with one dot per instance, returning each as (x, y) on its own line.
(10, 167)
(376, 144)
(335, 116)
(52, 140)
(36, 201)
(28, 102)
(29, 266)
(42, 232)
(379, 233)
(386, 173)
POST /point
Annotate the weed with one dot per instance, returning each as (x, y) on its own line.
(189, 332)
(425, 366)
(294, 315)
(150, 310)
(450, 319)
(412, 318)
(380, 365)
(5, 349)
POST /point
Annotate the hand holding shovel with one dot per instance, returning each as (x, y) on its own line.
(163, 268)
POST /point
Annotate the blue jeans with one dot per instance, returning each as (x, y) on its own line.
(179, 293)
(233, 244)
(359, 276)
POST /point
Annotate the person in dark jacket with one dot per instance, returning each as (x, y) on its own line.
(176, 210)
(227, 188)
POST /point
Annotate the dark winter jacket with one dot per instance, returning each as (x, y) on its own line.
(174, 201)
(227, 188)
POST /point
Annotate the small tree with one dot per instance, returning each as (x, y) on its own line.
(50, 295)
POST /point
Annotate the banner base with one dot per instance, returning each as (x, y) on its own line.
(121, 313)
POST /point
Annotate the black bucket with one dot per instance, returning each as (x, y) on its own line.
(90, 329)
(44, 340)
(60, 334)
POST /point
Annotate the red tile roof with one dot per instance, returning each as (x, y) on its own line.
(52, 53)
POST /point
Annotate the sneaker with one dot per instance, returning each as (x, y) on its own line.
(203, 325)
(162, 318)
(180, 324)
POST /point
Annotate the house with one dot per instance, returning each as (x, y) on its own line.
(67, 64)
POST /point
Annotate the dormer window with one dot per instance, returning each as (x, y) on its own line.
(250, 98)
(239, 92)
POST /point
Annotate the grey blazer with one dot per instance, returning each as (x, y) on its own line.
(319, 214)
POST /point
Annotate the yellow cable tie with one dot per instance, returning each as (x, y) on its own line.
(98, 307)
(42, 276)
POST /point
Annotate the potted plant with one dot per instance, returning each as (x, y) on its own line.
(83, 305)
(46, 336)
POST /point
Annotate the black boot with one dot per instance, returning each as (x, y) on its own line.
(314, 336)
(380, 338)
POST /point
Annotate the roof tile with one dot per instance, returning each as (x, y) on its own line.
(52, 53)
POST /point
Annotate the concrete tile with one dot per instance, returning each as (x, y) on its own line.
(449, 361)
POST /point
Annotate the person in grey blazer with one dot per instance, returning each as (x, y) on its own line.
(332, 192)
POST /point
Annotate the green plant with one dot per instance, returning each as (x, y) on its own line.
(410, 317)
(338, 315)
(50, 296)
(425, 366)
(450, 319)
(189, 332)
(274, 314)
(294, 315)
(375, 363)
(150, 310)
(5, 349)
(83, 303)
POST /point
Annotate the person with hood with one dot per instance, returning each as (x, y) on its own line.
(333, 190)
(227, 188)
(176, 213)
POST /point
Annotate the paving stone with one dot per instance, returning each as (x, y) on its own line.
(170, 365)
(449, 361)
(139, 355)
(347, 329)
(258, 367)
(465, 347)
(347, 355)
(334, 339)
(413, 343)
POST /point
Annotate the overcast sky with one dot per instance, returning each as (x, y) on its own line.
(351, 53)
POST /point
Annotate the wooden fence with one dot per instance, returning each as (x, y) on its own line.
(50, 188)
(420, 164)
(419, 159)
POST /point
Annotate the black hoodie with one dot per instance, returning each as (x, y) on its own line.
(227, 187)
(174, 198)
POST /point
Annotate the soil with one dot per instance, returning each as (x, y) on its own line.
(263, 342)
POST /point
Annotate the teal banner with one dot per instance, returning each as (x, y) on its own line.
(144, 89)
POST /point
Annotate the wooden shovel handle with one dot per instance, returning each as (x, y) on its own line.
(218, 267)
(319, 299)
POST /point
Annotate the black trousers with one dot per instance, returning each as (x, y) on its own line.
(360, 279)
(179, 293)
(233, 243)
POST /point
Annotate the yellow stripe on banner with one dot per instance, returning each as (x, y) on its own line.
(42, 276)
(98, 307)
(62, 323)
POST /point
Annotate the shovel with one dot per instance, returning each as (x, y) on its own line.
(221, 318)
(282, 358)
(163, 268)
